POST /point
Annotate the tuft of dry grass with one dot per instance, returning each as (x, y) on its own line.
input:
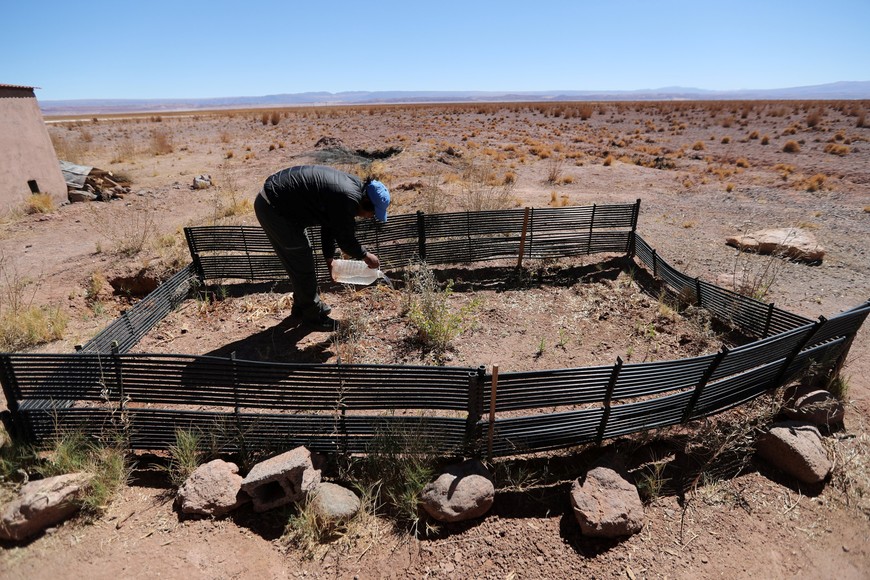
(161, 142)
(816, 182)
(791, 147)
(39, 203)
(837, 149)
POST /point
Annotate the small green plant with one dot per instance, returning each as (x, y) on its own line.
(542, 348)
(430, 313)
(104, 458)
(185, 455)
(839, 387)
(399, 463)
(652, 480)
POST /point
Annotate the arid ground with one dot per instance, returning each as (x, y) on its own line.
(701, 170)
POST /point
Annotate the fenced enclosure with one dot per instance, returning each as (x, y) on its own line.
(459, 410)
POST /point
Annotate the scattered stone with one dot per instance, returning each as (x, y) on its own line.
(793, 243)
(327, 142)
(796, 448)
(463, 492)
(816, 406)
(201, 182)
(283, 479)
(213, 489)
(334, 503)
(606, 505)
(41, 504)
(79, 195)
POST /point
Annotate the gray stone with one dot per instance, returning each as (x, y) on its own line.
(41, 504)
(213, 489)
(606, 505)
(464, 491)
(794, 243)
(202, 182)
(283, 479)
(334, 503)
(796, 448)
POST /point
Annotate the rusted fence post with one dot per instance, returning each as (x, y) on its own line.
(699, 388)
(421, 235)
(475, 392)
(119, 377)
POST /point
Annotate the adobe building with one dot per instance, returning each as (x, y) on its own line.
(28, 163)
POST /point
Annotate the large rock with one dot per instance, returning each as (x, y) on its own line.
(816, 406)
(606, 505)
(796, 448)
(464, 491)
(41, 504)
(793, 243)
(333, 503)
(283, 479)
(213, 489)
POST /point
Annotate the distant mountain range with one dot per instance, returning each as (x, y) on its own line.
(836, 91)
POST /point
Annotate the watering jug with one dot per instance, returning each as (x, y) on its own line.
(354, 272)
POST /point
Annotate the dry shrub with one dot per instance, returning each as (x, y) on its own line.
(742, 162)
(814, 118)
(23, 324)
(816, 182)
(481, 189)
(554, 170)
(275, 117)
(161, 142)
(39, 203)
(698, 146)
(765, 140)
(791, 147)
(862, 120)
(837, 149)
(72, 150)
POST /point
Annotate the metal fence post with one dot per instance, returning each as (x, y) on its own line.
(591, 226)
(475, 394)
(797, 349)
(631, 241)
(699, 388)
(767, 321)
(655, 264)
(698, 291)
(119, 377)
(492, 400)
(421, 235)
(608, 396)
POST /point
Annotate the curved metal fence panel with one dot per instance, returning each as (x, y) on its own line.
(242, 404)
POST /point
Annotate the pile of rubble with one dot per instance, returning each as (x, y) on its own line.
(85, 183)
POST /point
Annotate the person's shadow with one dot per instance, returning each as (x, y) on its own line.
(279, 343)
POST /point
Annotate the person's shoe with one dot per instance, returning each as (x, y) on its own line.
(322, 323)
(295, 312)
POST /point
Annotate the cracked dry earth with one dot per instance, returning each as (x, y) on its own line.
(563, 314)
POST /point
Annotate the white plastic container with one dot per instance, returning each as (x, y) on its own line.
(354, 272)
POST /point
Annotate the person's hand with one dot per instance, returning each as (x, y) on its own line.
(372, 261)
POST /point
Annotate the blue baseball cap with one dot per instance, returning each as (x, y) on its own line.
(380, 196)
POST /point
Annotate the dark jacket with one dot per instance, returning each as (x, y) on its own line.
(312, 194)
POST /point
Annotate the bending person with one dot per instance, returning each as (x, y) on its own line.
(298, 197)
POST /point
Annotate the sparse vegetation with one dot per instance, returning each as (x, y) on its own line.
(39, 203)
(791, 147)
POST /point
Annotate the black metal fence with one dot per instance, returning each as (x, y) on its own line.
(348, 407)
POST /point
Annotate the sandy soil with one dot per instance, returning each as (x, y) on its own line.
(702, 171)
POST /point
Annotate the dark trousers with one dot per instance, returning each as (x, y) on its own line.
(293, 246)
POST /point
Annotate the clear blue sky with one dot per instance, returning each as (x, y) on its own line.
(195, 49)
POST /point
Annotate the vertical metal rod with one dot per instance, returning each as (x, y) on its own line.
(698, 290)
(608, 398)
(631, 241)
(119, 378)
(492, 398)
(655, 264)
(523, 237)
(234, 379)
(797, 349)
(421, 235)
(473, 413)
(591, 226)
(767, 322)
(247, 253)
(699, 388)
